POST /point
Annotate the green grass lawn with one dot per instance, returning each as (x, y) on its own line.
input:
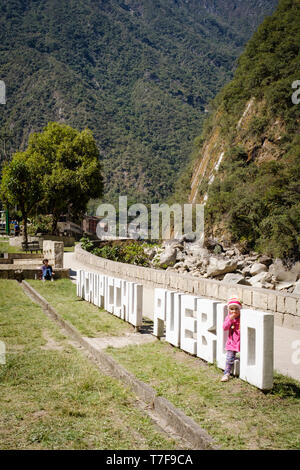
(6, 248)
(236, 414)
(68, 249)
(87, 318)
(52, 397)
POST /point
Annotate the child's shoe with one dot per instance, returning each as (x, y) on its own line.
(225, 378)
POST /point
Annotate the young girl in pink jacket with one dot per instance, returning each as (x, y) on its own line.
(232, 323)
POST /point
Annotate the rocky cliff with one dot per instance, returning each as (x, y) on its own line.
(246, 165)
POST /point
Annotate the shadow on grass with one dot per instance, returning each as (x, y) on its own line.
(284, 387)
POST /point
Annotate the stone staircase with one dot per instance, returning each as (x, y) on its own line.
(33, 263)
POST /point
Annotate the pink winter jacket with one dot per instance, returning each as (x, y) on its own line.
(233, 340)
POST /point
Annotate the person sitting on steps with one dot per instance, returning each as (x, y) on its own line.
(47, 272)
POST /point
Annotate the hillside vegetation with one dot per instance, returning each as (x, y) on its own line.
(254, 197)
(138, 73)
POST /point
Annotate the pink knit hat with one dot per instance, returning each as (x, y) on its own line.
(234, 301)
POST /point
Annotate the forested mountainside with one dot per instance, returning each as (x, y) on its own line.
(138, 73)
(247, 161)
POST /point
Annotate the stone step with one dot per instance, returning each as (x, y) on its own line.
(10, 271)
(28, 262)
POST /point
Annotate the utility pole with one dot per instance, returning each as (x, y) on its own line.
(7, 222)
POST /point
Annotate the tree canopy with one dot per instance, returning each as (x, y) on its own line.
(20, 185)
(58, 173)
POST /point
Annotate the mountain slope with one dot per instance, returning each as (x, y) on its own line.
(138, 73)
(247, 165)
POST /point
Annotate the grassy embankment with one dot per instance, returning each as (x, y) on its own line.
(87, 318)
(236, 414)
(5, 247)
(52, 397)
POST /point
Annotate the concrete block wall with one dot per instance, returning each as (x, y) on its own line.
(285, 307)
(54, 252)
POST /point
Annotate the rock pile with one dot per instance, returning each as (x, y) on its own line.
(227, 264)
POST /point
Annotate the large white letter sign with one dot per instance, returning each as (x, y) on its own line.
(188, 330)
(125, 301)
(122, 298)
(135, 293)
(206, 329)
(192, 323)
(173, 314)
(101, 290)
(96, 289)
(87, 287)
(109, 297)
(160, 303)
(91, 287)
(79, 283)
(257, 333)
(118, 298)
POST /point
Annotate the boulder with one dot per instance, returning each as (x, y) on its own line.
(180, 256)
(257, 268)
(212, 244)
(182, 270)
(230, 253)
(197, 250)
(168, 257)
(241, 264)
(180, 264)
(251, 258)
(174, 244)
(220, 266)
(265, 260)
(284, 285)
(189, 237)
(282, 273)
(189, 262)
(234, 278)
(260, 279)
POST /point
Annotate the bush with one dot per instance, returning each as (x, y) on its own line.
(130, 252)
(86, 244)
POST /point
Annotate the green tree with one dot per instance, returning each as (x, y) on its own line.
(20, 185)
(70, 170)
(58, 173)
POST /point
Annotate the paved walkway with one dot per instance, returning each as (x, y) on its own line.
(286, 341)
